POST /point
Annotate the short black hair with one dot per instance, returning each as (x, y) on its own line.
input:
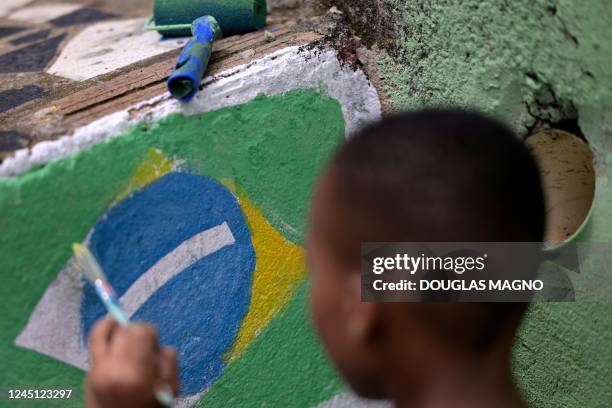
(441, 175)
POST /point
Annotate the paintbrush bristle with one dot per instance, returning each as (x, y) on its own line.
(87, 263)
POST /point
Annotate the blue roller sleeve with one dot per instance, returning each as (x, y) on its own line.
(193, 61)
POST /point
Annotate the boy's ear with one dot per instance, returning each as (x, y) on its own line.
(363, 319)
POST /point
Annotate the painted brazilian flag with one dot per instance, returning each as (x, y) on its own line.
(198, 222)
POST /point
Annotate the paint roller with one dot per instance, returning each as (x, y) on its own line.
(205, 21)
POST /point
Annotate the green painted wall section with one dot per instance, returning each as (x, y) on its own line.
(273, 147)
(297, 374)
(551, 59)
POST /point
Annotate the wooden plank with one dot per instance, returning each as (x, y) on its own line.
(124, 84)
(108, 98)
(96, 98)
(144, 77)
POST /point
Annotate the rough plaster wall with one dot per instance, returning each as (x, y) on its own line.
(533, 64)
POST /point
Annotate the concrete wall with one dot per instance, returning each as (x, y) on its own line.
(197, 214)
(533, 64)
(140, 199)
(195, 211)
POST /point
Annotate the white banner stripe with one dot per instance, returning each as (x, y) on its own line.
(183, 256)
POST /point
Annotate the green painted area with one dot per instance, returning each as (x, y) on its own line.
(273, 147)
(290, 379)
(562, 355)
(498, 56)
(517, 60)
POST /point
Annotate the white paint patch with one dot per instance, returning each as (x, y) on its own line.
(289, 69)
(183, 256)
(6, 6)
(107, 46)
(350, 400)
(285, 70)
(51, 320)
(45, 12)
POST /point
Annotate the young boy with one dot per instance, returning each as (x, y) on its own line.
(433, 176)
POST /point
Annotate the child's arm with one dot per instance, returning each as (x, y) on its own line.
(127, 366)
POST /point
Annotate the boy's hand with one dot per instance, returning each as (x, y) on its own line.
(127, 366)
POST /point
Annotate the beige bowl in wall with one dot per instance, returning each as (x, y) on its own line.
(568, 174)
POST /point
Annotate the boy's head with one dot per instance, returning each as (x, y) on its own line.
(433, 176)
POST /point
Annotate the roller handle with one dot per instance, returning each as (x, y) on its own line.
(184, 82)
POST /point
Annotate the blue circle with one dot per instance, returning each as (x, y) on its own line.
(199, 310)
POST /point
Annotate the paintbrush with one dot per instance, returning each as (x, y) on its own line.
(90, 268)
(87, 264)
